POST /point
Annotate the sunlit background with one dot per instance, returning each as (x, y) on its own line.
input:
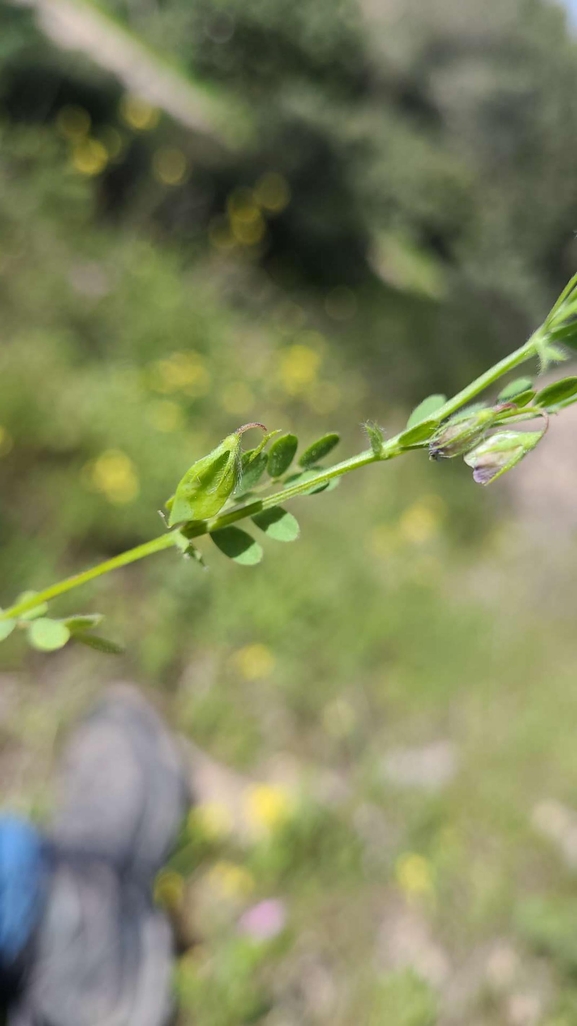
(309, 214)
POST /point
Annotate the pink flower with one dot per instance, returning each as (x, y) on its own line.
(265, 920)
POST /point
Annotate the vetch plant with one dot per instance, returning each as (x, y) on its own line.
(231, 485)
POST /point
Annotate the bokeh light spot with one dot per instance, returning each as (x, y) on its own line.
(231, 880)
(170, 165)
(185, 372)
(272, 192)
(89, 157)
(73, 122)
(269, 806)
(113, 474)
(220, 235)
(254, 662)
(414, 875)
(138, 113)
(421, 521)
(298, 368)
(213, 819)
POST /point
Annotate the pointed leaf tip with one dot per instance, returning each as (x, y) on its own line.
(98, 643)
(558, 392)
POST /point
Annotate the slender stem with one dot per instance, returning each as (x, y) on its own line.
(164, 541)
(167, 540)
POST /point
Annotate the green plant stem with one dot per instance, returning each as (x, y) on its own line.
(164, 541)
(167, 540)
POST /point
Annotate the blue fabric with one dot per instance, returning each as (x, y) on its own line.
(21, 876)
(102, 952)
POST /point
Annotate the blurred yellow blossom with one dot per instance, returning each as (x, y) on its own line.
(414, 875)
(231, 880)
(73, 122)
(114, 475)
(186, 372)
(237, 397)
(298, 368)
(169, 889)
(272, 192)
(170, 165)
(166, 415)
(6, 441)
(213, 819)
(268, 805)
(89, 156)
(246, 221)
(241, 204)
(220, 235)
(421, 521)
(253, 661)
(138, 113)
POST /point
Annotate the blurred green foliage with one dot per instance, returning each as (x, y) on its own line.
(398, 211)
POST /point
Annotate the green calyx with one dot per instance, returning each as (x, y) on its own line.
(460, 434)
(210, 482)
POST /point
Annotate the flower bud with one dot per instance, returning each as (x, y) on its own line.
(460, 434)
(500, 453)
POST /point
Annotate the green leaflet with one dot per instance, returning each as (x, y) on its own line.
(524, 398)
(418, 434)
(32, 614)
(319, 449)
(82, 622)
(237, 545)
(277, 523)
(281, 454)
(98, 643)
(558, 392)
(253, 467)
(514, 389)
(6, 628)
(426, 409)
(48, 635)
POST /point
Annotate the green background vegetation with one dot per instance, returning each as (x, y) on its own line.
(387, 204)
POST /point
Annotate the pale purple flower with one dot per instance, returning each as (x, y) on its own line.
(265, 920)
